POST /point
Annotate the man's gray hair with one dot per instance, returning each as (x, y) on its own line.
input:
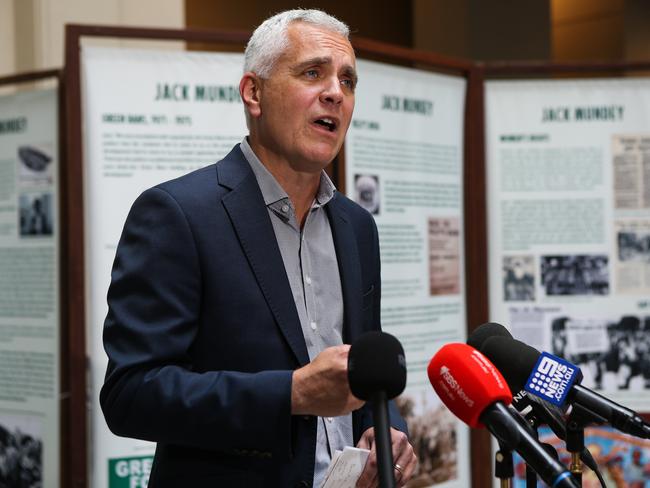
(270, 39)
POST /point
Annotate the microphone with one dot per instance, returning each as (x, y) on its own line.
(524, 403)
(557, 381)
(476, 392)
(484, 331)
(530, 406)
(377, 373)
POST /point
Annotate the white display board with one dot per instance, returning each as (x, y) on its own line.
(30, 444)
(404, 164)
(148, 116)
(568, 165)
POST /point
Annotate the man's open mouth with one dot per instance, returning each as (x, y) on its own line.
(328, 123)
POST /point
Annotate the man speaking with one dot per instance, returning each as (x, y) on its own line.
(236, 288)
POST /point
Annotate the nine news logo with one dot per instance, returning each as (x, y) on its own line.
(552, 378)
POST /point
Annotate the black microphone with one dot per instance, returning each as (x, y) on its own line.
(556, 380)
(483, 332)
(377, 373)
(527, 405)
(530, 406)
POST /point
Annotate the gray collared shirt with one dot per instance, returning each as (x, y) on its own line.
(309, 258)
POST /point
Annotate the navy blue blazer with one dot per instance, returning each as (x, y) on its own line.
(203, 335)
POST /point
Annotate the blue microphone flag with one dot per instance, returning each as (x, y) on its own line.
(552, 378)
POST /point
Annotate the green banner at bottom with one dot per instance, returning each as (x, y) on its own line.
(131, 472)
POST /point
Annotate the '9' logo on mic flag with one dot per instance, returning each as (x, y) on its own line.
(552, 378)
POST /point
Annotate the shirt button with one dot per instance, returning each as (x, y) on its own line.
(313, 325)
(308, 280)
(330, 419)
(285, 208)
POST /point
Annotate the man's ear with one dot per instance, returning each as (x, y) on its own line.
(251, 93)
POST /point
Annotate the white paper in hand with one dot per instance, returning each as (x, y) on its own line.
(345, 468)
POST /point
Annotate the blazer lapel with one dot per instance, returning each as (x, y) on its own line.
(250, 218)
(347, 255)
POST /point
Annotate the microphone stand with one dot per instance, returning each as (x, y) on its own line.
(532, 424)
(531, 477)
(503, 466)
(578, 419)
(383, 441)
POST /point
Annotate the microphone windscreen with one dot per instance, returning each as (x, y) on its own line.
(466, 382)
(513, 358)
(376, 363)
(484, 332)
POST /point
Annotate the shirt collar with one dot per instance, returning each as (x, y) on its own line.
(272, 192)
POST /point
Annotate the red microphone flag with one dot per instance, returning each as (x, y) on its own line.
(467, 382)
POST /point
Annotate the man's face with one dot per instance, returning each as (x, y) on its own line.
(306, 103)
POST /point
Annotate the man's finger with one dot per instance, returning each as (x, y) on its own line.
(398, 471)
(404, 457)
(408, 472)
(364, 443)
(398, 441)
(366, 439)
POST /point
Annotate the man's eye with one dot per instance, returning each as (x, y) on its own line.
(348, 83)
(311, 73)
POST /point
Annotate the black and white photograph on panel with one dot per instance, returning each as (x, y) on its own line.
(35, 214)
(519, 278)
(21, 451)
(633, 246)
(366, 192)
(575, 274)
(35, 165)
(614, 354)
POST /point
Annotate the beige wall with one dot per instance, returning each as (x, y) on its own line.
(35, 39)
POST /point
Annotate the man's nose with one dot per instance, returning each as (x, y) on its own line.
(332, 91)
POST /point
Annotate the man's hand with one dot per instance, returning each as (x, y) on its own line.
(404, 459)
(321, 387)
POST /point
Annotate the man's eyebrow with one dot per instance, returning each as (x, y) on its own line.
(317, 61)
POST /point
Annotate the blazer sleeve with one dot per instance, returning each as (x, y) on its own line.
(151, 391)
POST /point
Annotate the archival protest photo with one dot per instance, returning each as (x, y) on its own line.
(575, 275)
(613, 354)
(21, 452)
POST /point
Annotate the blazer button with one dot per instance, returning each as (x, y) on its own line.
(302, 484)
